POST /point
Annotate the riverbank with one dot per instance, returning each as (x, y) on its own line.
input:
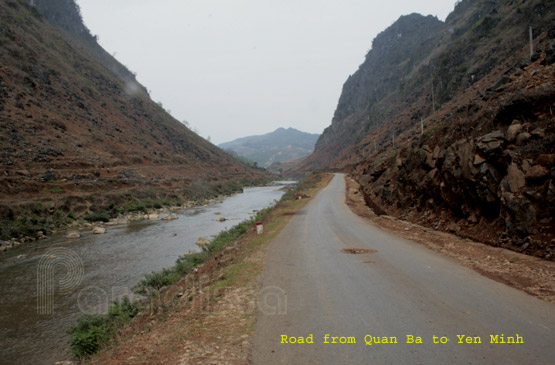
(208, 315)
(38, 222)
(113, 263)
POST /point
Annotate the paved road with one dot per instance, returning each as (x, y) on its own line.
(402, 289)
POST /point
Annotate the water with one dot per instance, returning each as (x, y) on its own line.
(111, 265)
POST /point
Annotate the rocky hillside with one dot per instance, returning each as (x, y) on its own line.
(453, 127)
(278, 146)
(78, 133)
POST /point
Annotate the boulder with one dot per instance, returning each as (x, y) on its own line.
(436, 152)
(430, 162)
(122, 220)
(522, 138)
(429, 179)
(453, 227)
(202, 242)
(73, 234)
(479, 159)
(513, 131)
(491, 142)
(522, 212)
(99, 230)
(536, 173)
(514, 180)
(545, 160)
(526, 165)
(538, 132)
(170, 217)
(153, 216)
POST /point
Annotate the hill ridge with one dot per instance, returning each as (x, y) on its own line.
(280, 145)
(79, 133)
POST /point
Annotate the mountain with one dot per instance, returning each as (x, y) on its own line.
(450, 124)
(79, 134)
(278, 146)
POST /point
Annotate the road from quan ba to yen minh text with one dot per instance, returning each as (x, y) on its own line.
(310, 287)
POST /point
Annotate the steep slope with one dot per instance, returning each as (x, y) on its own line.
(457, 133)
(370, 95)
(278, 146)
(79, 133)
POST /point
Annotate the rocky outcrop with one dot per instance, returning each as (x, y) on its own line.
(419, 64)
(495, 188)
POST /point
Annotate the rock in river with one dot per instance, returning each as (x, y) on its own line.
(99, 230)
(73, 234)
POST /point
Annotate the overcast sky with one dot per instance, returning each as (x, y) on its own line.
(234, 68)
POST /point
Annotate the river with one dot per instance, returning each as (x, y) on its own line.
(92, 271)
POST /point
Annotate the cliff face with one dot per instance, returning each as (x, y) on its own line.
(419, 64)
(78, 132)
(394, 55)
(455, 130)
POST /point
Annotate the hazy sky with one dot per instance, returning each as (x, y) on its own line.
(234, 68)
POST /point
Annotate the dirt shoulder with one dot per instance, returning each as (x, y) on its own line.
(208, 317)
(529, 274)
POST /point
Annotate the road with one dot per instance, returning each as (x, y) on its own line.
(400, 289)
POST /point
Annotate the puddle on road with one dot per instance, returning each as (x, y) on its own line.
(357, 251)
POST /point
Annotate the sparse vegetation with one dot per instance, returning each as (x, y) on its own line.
(100, 216)
(95, 330)
(154, 281)
(92, 332)
(42, 60)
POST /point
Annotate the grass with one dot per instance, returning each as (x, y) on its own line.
(55, 190)
(155, 281)
(231, 273)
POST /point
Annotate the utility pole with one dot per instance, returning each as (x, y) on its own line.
(433, 96)
(531, 44)
(421, 126)
(393, 137)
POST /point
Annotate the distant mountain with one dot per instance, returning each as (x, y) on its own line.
(278, 146)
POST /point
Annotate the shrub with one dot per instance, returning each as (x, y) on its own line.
(100, 216)
(93, 331)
